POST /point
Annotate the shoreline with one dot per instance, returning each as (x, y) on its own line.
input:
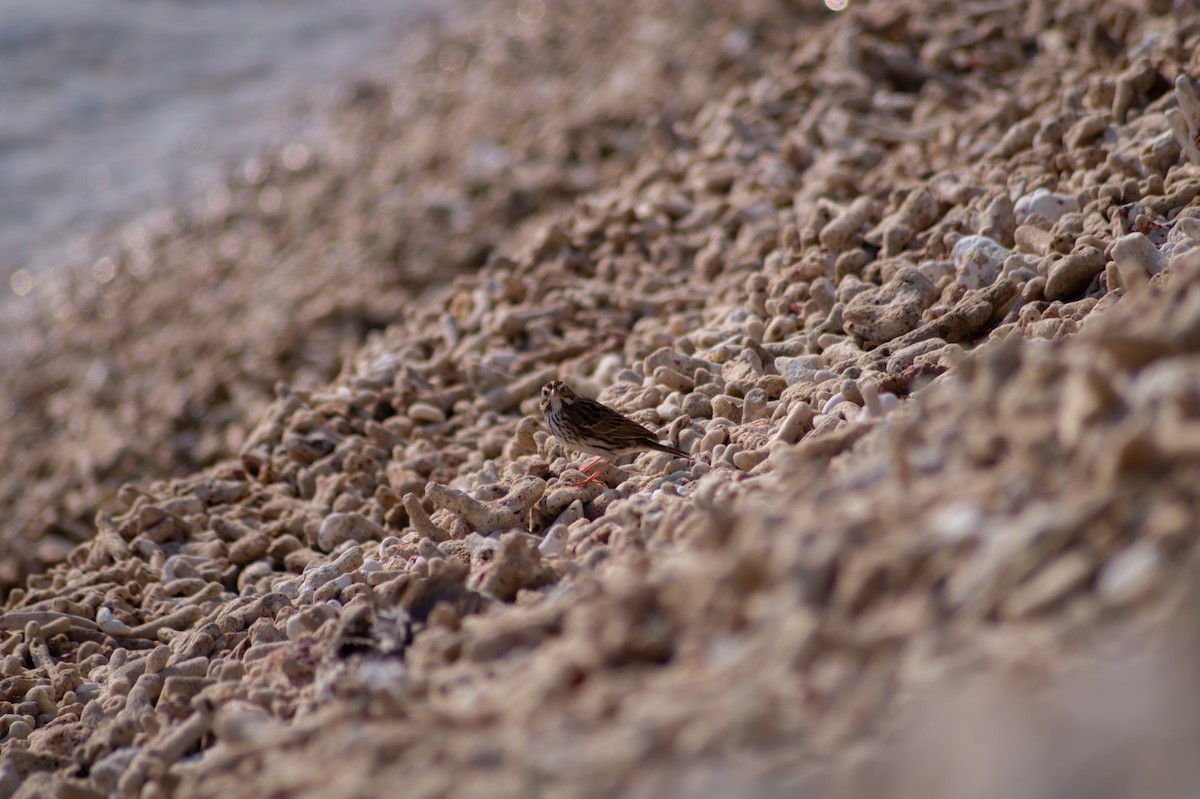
(914, 287)
(151, 106)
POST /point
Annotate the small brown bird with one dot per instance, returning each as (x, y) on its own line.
(588, 426)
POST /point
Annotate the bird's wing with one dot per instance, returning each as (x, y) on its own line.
(603, 422)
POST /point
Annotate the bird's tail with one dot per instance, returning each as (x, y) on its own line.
(669, 450)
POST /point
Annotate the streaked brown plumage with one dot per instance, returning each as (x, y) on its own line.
(589, 426)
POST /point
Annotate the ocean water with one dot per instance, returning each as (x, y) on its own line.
(111, 108)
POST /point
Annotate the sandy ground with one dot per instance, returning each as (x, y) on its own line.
(916, 285)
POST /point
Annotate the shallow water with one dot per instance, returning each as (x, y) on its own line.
(110, 109)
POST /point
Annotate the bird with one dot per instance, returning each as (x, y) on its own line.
(595, 428)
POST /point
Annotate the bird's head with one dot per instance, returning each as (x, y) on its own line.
(555, 394)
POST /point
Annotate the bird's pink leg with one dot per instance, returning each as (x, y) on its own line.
(592, 463)
(591, 478)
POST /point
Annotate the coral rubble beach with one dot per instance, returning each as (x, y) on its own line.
(917, 283)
